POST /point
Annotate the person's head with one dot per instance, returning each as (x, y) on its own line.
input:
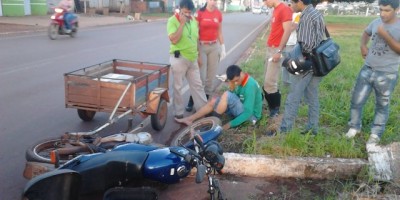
(233, 73)
(271, 3)
(299, 5)
(388, 10)
(186, 7)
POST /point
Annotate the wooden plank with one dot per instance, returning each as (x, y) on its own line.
(142, 66)
(127, 72)
(83, 91)
(79, 99)
(111, 103)
(81, 80)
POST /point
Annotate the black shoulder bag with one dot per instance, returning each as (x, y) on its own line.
(326, 56)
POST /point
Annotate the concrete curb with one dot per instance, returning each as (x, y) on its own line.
(292, 167)
(383, 163)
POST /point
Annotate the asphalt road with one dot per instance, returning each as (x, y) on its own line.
(32, 84)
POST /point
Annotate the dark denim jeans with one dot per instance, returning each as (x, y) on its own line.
(383, 84)
(68, 17)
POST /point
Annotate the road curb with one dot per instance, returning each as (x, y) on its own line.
(292, 167)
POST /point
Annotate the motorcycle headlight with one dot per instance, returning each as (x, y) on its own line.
(58, 10)
(213, 153)
(53, 17)
(181, 171)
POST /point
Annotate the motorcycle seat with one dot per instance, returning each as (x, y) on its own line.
(114, 168)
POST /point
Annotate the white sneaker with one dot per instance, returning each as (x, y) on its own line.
(373, 139)
(352, 132)
(68, 31)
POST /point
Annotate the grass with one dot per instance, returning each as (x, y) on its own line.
(335, 93)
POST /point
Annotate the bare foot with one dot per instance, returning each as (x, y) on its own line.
(185, 120)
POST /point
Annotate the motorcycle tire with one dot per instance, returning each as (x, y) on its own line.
(202, 125)
(74, 30)
(40, 151)
(53, 31)
(218, 195)
(86, 115)
(159, 119)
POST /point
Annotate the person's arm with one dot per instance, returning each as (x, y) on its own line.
(364, 42)
(176, 36)
(287, 29)
(393, 44)
(220, 36)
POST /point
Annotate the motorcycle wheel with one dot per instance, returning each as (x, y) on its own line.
(217, 191)
(202, 125)
(86, 115)
(74, 30)
(159, 119)
(53, 31)
(40, 151)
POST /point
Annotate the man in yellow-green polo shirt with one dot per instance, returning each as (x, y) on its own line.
(183, 32)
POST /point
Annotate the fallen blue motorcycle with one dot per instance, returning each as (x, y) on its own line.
(119, 173)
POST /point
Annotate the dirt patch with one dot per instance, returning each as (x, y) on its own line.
(13, 28)
(344, 28)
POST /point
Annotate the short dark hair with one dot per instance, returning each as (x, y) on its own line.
(307, 2)
(232, 72)
(393, 3)
(186, 4)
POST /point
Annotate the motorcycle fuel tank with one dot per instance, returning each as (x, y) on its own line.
(164, 166)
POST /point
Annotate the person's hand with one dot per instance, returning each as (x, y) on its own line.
(222, 77)
(364, 51)
(276, 57)
(226, 126)
(223, 52)
(381, 30)
(182, 18)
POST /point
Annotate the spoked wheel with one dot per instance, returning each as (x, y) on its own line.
(86, 115)
(53, 31)
(40, 151)
(218, 195)
(159, 119)
(202, 125)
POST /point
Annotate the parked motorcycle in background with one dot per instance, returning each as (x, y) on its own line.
(57, 24)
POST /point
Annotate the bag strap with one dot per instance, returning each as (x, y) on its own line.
(327, 33)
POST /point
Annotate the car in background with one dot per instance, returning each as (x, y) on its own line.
(264, 10)
(256, 10)
(260, 10)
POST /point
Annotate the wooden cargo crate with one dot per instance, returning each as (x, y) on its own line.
(99, 87)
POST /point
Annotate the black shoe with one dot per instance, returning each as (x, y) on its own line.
(270, 133)
(273, 112)
(179, 116)
(189, 107)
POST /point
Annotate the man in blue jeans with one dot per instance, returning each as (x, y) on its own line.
(305, 84)
(243, 101)
(380, 70)
(68, 6)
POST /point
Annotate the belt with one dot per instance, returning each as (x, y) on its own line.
(208, 42)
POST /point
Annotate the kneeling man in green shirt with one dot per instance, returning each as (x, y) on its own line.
(243, 100)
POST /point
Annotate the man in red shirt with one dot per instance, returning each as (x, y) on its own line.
(281, 23)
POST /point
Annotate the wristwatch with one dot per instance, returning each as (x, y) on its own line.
(279, 51)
